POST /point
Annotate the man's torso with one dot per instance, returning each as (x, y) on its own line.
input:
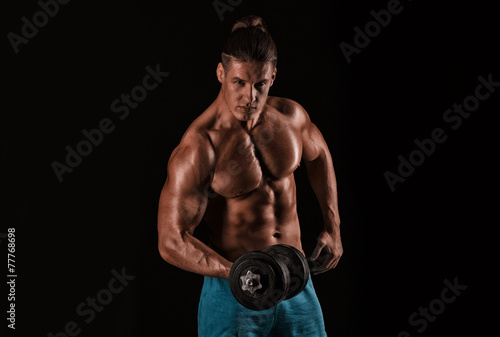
(254, 203)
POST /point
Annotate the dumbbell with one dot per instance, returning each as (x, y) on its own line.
(260, 280)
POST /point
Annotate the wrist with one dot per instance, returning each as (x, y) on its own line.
(331, 220)
(226, 269)
(332, 226)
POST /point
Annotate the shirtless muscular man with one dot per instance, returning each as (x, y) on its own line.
(234, 167)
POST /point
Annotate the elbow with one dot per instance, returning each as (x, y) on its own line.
(168, 247)
(165, 252)
(165, 244)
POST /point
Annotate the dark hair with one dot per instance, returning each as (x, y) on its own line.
(249, 41)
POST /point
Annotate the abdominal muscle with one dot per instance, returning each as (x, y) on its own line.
(265, 217)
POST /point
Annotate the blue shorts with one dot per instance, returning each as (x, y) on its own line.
(220, 315)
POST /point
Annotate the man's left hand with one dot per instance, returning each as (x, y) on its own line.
(327, 252)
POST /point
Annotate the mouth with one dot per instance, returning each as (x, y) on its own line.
(247, 109)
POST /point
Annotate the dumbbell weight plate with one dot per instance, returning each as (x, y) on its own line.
(265, 290)
(296, 264)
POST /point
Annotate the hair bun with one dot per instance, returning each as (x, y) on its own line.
(249, 41)
(250, 21)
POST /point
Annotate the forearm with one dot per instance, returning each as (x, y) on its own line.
(321, 176)
(187, 252)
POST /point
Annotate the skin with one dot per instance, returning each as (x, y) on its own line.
(234, 167)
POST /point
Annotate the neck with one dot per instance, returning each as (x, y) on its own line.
(250, 124)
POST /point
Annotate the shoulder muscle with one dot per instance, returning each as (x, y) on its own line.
(192, 161)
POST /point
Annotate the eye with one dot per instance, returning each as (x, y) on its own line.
(239, 82)
(260, 84)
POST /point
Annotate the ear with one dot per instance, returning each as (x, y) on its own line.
(273, 76)
(220, 72)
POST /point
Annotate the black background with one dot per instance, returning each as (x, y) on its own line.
(399, 246)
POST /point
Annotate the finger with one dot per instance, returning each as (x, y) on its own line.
(317, 250)
(334, 263)
(321, 265)
(315, 266)
(327, 265)
(329, 262)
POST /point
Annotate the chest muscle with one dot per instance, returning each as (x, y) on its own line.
(244, 159)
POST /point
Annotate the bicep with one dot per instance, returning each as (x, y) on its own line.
(184, 197)
(180, 210)
(313, 143)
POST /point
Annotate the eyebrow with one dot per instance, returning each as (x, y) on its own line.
(240, 79)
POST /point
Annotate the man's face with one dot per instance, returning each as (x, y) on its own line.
(245, 87)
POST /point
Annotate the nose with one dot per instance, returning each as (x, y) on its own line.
(250, 96)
